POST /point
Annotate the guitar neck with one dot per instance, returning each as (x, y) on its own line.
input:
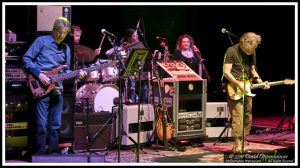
(261, 85)
(74, 74)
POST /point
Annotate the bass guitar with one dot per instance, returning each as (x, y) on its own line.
(39, 90)
(234, 93)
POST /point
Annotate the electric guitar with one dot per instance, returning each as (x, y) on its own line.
(164, 126)
(234, 93)
(38, 89)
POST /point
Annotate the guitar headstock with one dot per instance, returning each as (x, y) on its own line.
(289, 82)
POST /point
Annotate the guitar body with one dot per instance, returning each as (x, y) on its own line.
(234, 93)
(160, 127)
(37, 88)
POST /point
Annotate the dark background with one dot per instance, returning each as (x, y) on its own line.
(276, 25)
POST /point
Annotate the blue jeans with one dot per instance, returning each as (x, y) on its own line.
(50, 106)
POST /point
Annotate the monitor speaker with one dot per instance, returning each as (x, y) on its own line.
(67, 122)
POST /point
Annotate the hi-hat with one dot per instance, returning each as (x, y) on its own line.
(83, 54)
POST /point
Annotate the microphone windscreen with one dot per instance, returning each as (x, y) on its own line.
(223, 30)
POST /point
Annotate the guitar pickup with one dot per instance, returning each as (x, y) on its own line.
(35, 84)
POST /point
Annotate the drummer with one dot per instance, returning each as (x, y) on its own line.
(76, 32)
(129, 42)
(86, 54)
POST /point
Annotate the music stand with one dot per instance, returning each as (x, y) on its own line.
(136, 61)
(134, 65)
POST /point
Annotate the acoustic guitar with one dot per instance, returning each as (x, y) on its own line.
(234, 93)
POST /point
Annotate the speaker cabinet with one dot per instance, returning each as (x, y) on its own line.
(130, 123)
(100, 130)
(46, 15)
(16, 120)
(67, 122)
(217, 120)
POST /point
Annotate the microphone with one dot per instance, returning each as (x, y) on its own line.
(160, 38)
(223, 30)
(103, 31)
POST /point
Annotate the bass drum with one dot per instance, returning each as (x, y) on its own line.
(100, 97)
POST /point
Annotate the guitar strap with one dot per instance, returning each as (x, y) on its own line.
(240, 60)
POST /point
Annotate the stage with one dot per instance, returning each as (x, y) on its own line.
(264, 139)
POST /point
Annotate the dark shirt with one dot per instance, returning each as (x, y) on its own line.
(235, 56)
(193, 62)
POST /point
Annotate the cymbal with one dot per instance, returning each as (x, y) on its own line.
(83, 54)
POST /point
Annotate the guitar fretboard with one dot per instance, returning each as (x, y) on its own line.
(74, 74)
(261, 85)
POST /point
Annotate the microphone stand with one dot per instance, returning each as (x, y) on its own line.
(244, 97)
(229, 37)
(140, 71)
(120, 109)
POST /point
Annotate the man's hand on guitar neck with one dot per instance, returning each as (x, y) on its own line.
(266, 83)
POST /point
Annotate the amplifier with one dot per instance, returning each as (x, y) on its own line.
(130, 123)
(101, 128)
(16, 134)
(16, 125)
(217, 110)
(15, 74)
(217, 119)
(15, 85)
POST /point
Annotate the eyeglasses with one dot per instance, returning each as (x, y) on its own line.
(251, 42)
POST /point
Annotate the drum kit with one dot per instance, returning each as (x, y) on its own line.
(99, 87)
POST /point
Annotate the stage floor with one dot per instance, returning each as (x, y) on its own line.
(264, 138)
